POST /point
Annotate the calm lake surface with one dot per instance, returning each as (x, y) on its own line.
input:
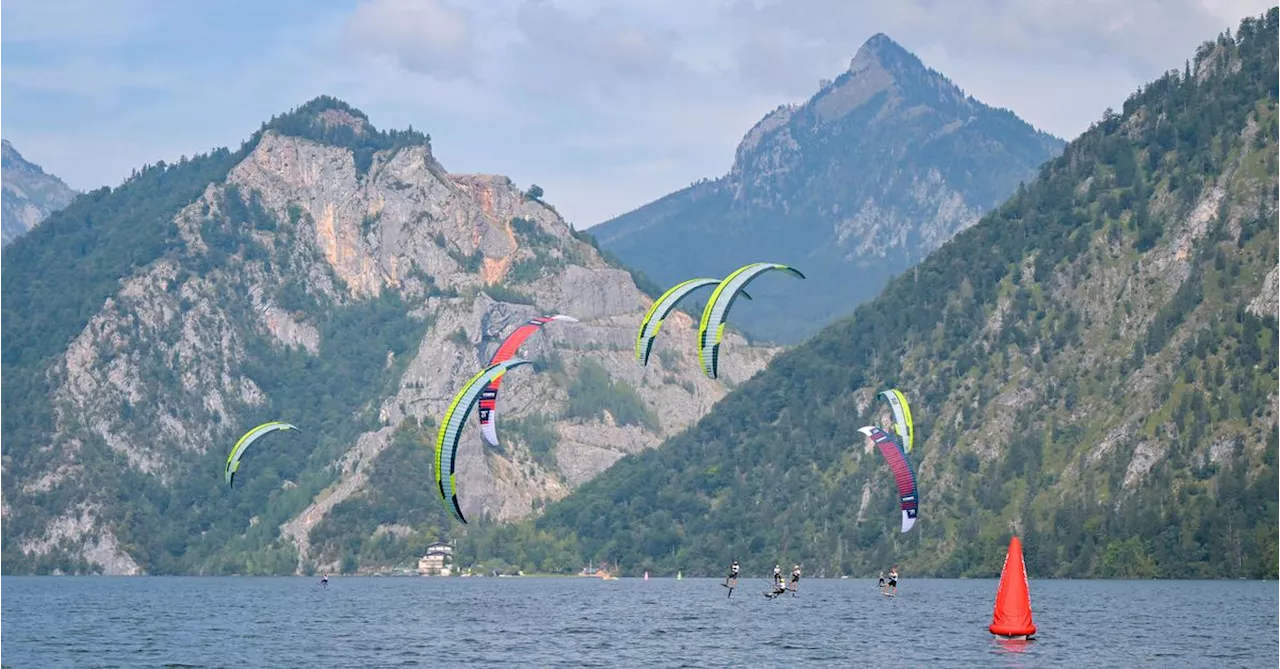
(581, 622)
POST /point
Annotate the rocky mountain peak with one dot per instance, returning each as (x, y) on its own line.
(30, 194)
(881, 50)
(8, 154)
(877, 169)
(331, 121)
(881, 65)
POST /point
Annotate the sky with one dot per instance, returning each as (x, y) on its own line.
(606, 104)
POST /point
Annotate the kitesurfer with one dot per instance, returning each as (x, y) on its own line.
(893, 579)
(324, 580)
(881, 581)
(731, 581)
(779, 585)
(795, 579)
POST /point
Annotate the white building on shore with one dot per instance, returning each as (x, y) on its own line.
(438, 561)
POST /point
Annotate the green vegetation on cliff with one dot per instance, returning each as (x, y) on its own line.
(1084, 365)
(59, 276)
(150, 325)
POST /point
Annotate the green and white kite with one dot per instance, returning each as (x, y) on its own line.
(451, 428)
(659, 310)
(711, 328)
(233, 460)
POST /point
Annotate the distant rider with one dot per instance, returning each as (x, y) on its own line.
(733, 572)
(795, 579)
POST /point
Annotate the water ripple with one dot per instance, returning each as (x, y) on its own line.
(189, 623)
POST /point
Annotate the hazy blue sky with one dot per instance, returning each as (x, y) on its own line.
(607, 105)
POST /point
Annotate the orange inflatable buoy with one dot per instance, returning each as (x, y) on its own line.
(1012, 616)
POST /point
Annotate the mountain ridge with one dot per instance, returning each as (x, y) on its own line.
(874, 170)
(30, 194)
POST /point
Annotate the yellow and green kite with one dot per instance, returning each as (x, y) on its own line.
(658, 311)
(451, 428)
(903, 429)
(233, 460)
(711, 328)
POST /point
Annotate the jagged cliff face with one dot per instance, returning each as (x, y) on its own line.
(229, 328)
(29, 195)
(867, 177)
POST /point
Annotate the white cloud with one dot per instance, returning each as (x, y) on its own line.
(431, 37)
(606, 105)
(606, 51)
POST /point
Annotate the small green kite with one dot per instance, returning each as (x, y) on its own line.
(233, 460)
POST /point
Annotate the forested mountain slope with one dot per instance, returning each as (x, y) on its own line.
(876, 170)
(1092, 366)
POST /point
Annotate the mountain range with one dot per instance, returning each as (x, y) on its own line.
(1089, 365)
(1092, 367)
(880, 167)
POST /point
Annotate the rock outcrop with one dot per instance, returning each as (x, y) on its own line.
(29, 194)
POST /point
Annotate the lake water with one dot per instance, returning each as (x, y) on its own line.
(581, 622)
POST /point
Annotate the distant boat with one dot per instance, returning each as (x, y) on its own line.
(646, 576)
(679, 576)
(600, 572)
